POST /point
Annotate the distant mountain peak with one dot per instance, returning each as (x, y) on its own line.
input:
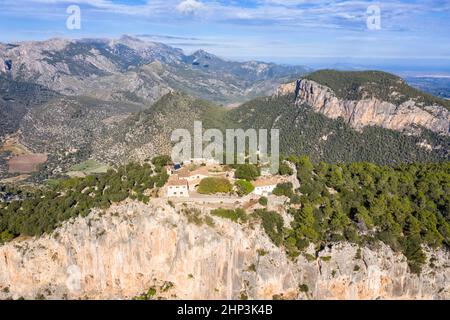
(127, 37)
(202, 54)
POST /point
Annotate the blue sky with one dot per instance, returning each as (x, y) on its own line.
(290, 31)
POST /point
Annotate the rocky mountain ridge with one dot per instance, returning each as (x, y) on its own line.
(132, 247)
(75, 67)
(408, 116)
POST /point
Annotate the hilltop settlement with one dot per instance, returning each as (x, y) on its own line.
(209, 181)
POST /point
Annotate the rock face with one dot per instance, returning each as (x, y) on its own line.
(370, 112)
(133, 247)
(288, 88)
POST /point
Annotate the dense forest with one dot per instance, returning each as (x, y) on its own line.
(406, 207)
(45, 208)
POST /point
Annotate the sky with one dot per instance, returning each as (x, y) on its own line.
(354, 32)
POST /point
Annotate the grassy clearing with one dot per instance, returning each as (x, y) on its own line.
(88, 167)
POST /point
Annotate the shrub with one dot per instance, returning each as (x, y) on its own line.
(263, 201)
(238, 215)
(296, 199)
(358, 255)
(151, 292)
(244, 187)
(6, 236)
(303, 288)
(262, 252)
(272, 223)
(415, 254)
(160, 161)
(247, 172)
(252, 268)
(194, 216)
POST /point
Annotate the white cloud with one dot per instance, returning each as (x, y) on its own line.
(190, 7)
(348, 14)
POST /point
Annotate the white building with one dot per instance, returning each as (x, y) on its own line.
(177, 188)
(183, 180)
(199, 161)
(264, 186)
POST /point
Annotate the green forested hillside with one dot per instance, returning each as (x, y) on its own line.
(303, 131)
(16, 99)
(151, 130)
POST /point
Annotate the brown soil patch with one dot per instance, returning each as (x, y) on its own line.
(26, 163)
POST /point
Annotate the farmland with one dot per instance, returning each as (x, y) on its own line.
(26, 163)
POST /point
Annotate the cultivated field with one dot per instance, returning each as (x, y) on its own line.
(26, 163)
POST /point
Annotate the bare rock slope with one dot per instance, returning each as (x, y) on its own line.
(361, 102)
(133, 247)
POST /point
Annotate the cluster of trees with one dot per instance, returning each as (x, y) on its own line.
(8, 191)
(406, 207)
(285, 169)
(48, 207)
(284, 189)
(247, 171)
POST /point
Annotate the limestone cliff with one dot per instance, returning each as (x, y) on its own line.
(408, 116)
(132, 247)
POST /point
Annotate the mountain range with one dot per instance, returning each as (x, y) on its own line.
(119, 100)
(129, 69)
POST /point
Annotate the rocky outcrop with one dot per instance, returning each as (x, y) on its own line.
(288, 88)
(133, 247)
(407, 117)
